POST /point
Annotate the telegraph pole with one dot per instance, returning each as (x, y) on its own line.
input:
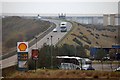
(47, 41)
(36, 41)
(36, 57)
(51, 53)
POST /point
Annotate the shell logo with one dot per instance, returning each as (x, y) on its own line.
(22, 47)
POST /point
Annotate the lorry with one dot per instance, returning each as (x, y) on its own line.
(63, 26)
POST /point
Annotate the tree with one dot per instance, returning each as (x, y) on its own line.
(112, 54)
(100, 54)
(44, 57)
(81, 51)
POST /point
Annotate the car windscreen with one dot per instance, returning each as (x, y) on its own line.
(84, 61)
(88, 62)
(62, 27)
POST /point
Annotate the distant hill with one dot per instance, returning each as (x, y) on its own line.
(16, 29)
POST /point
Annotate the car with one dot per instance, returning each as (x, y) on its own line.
(90, 68)
(87, 64)
(117, 69)
(63, 29)
(69, 66)
(105, 58)
(55, 30)
(63, 23)
(63, 26)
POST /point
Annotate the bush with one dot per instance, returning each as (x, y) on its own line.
(44, 59)
(77, 41)
(86, 47)
(31, 64)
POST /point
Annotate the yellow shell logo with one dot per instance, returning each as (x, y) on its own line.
(22, 47)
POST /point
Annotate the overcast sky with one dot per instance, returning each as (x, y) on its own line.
(61, 6)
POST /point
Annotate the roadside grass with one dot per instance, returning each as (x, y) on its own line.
(49, 73)
(16, 29)
(106, 62)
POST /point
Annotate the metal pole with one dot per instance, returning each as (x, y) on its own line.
(35, 66)
(51, 54)
(47, 41)
(58, 39)
(58, 47)
(75, 51)
(36, 41)
(35, 60)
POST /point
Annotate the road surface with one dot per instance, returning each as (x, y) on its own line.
(13, 59)
(106, 67)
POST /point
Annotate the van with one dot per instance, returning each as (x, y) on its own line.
(63, 26)
(75, 63)
(63, 29)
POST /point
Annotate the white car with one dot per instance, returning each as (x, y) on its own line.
(117, 69)
(55, 30)
(69, 66)
(63, 29)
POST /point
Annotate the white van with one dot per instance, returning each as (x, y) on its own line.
(69, 66)
(63, 26)
(66, 62)
(63, 23)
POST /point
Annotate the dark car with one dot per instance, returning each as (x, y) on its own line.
(90, 68)
(105, 58)
(63, 29)
(117, 69)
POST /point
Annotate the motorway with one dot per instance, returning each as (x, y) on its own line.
(13, 59)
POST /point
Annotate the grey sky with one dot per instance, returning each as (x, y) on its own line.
(61, 7)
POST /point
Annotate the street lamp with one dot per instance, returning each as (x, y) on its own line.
(58, 47)
(51, 53)
(58, 39)
(36, 40)
(47, 41)
(51, 40)
(75, 50)
(37, 53)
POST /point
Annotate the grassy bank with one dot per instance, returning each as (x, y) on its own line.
(106, 62)
(47, 73)
(16, 29)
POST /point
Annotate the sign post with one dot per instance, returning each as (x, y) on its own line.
(22, 50)
(35, 53)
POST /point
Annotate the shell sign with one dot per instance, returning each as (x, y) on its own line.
(22, 46)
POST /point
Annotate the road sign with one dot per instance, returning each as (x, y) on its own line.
(22, 49)
(35, 53)
(22, 56)
(22, 46)
(22, 64)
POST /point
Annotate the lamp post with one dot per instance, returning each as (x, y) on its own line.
(47, 41)
(36, 40)
(51, 53)
(58, 39)
(36, 48)
(58, 47)
(75, 52)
